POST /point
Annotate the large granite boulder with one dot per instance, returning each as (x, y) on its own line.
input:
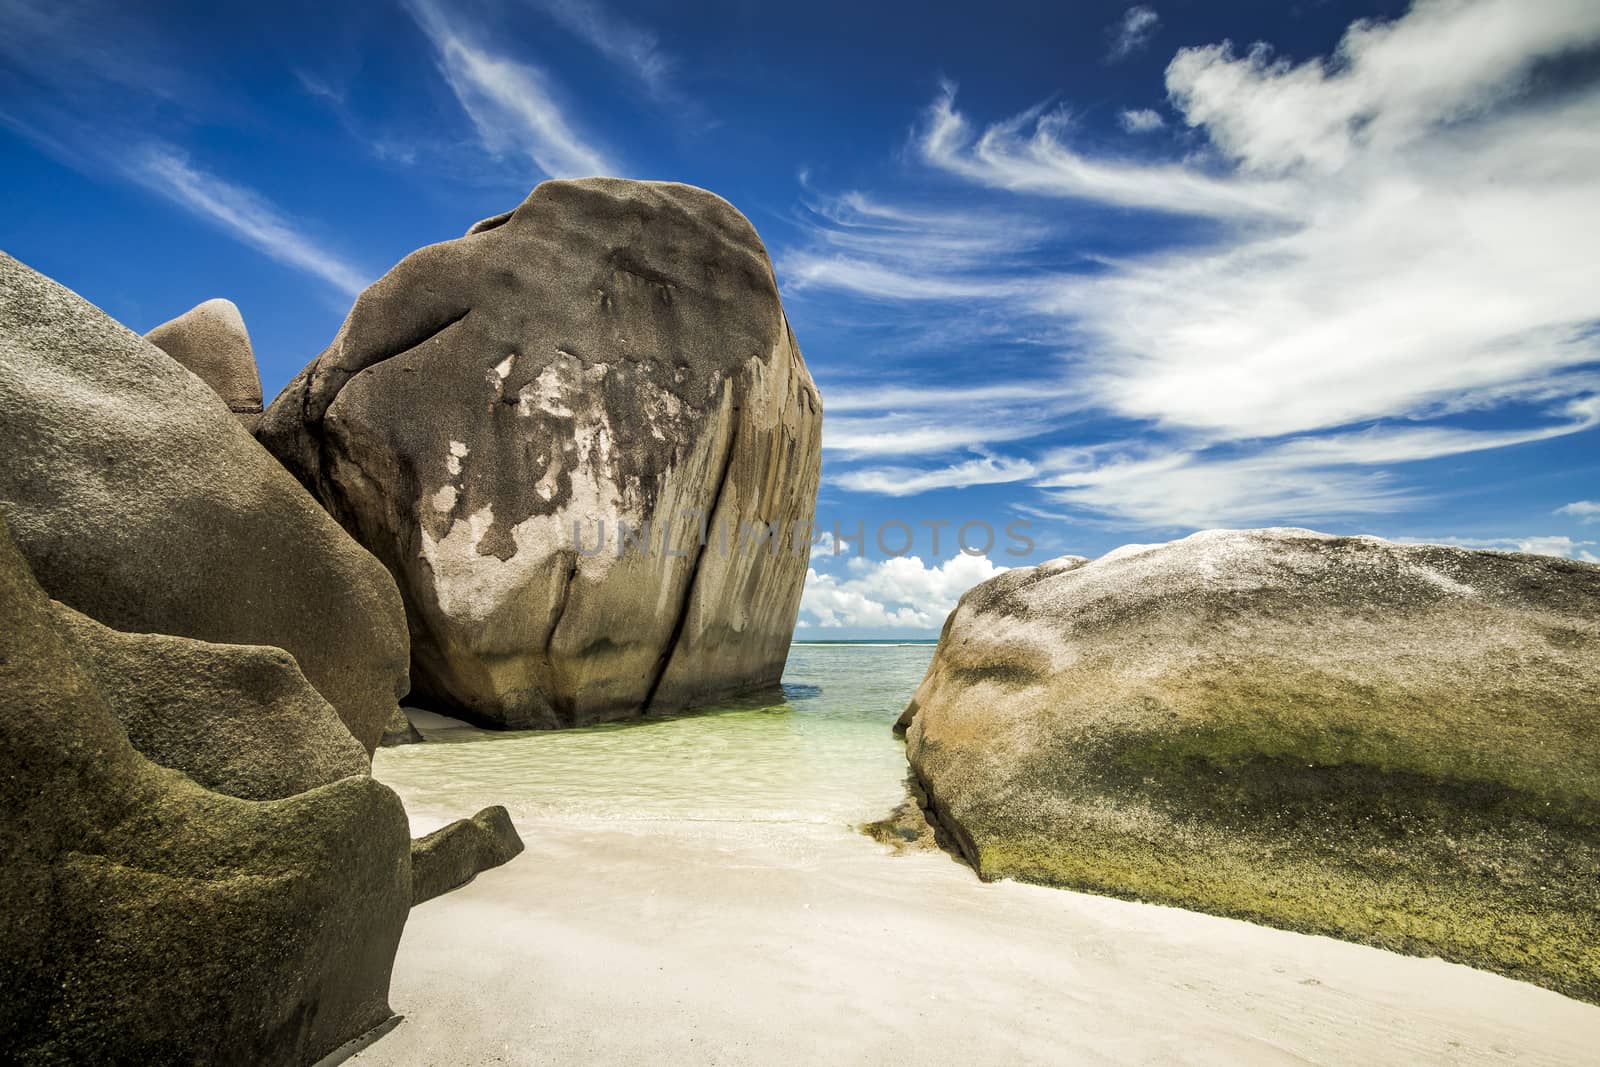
(238, 719)
(1396, 744)
(145, 919)
(210, 340)
(611, 351)
(139, 500)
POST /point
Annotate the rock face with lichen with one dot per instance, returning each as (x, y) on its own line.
(148, 918)
(455, 854)
(1395, 744)
(210, 340)
(611, 352)
(138, 499)
(238, 719)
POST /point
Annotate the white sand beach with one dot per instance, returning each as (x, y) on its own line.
(694, 891)
(707, 942)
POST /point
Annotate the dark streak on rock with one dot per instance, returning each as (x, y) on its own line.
(667, 650)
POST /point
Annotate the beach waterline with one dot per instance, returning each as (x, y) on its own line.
(695, 890)
(820, 751)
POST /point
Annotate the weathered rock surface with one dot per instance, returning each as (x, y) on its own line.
(1396, 744)
(399, 730)
(140, 501)
(145, 919)
(610, 350)
(453, 855)
(210, 340)
(239, 719)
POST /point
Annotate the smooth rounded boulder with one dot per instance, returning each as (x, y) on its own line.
(497, 407)
(1395, 744)
(238, 719)
(139, 500)
(210, 340)
(147, 919)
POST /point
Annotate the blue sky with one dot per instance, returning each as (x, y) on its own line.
(1118, 272)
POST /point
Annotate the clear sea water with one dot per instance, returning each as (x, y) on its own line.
(821, 752)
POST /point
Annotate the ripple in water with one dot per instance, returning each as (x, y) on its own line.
(819, 751)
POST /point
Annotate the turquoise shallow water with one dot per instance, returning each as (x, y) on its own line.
(821, 752)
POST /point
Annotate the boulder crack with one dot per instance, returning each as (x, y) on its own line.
(671, 646)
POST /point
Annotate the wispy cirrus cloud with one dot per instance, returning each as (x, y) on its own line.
(108, 74)
(1585, 511)
(1133, 31)
(1538, 545)
(243, 214)
(909, 481)
(627, 44)
(1029, 153)
(861, 245)
(512, 103)
(1305, 478)
(920, 433)
(1391, 241)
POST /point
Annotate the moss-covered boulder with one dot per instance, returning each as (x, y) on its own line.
(455, 854)
(238, 719)
(146, 919)
(1394, 744)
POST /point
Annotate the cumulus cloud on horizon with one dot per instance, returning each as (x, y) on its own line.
(1585, 511)
(902, 593)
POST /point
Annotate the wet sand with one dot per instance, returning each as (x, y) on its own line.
(663, 941)
(693, 891)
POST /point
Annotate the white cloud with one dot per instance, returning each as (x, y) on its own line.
(1432, 255)
(511, 103)
(921, 399)
(918, 434)
(629, 46)
(1298, 479)
(906, 481)
(1133, 31)
(1585, 511)
(1393, 239)
(1142, 120)
(900, 593)
(826, 544)
(243, 213)
(1194, 490)
(861, 245)
(809, 270)
(1564, 547)
(1389, 83)
(1027, 154)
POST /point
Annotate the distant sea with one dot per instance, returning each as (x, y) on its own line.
(820, 750)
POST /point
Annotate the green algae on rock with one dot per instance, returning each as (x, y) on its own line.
(146, 919)
(453, 855)
(1394, 744)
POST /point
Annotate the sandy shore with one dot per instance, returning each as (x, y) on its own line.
(676, 941)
